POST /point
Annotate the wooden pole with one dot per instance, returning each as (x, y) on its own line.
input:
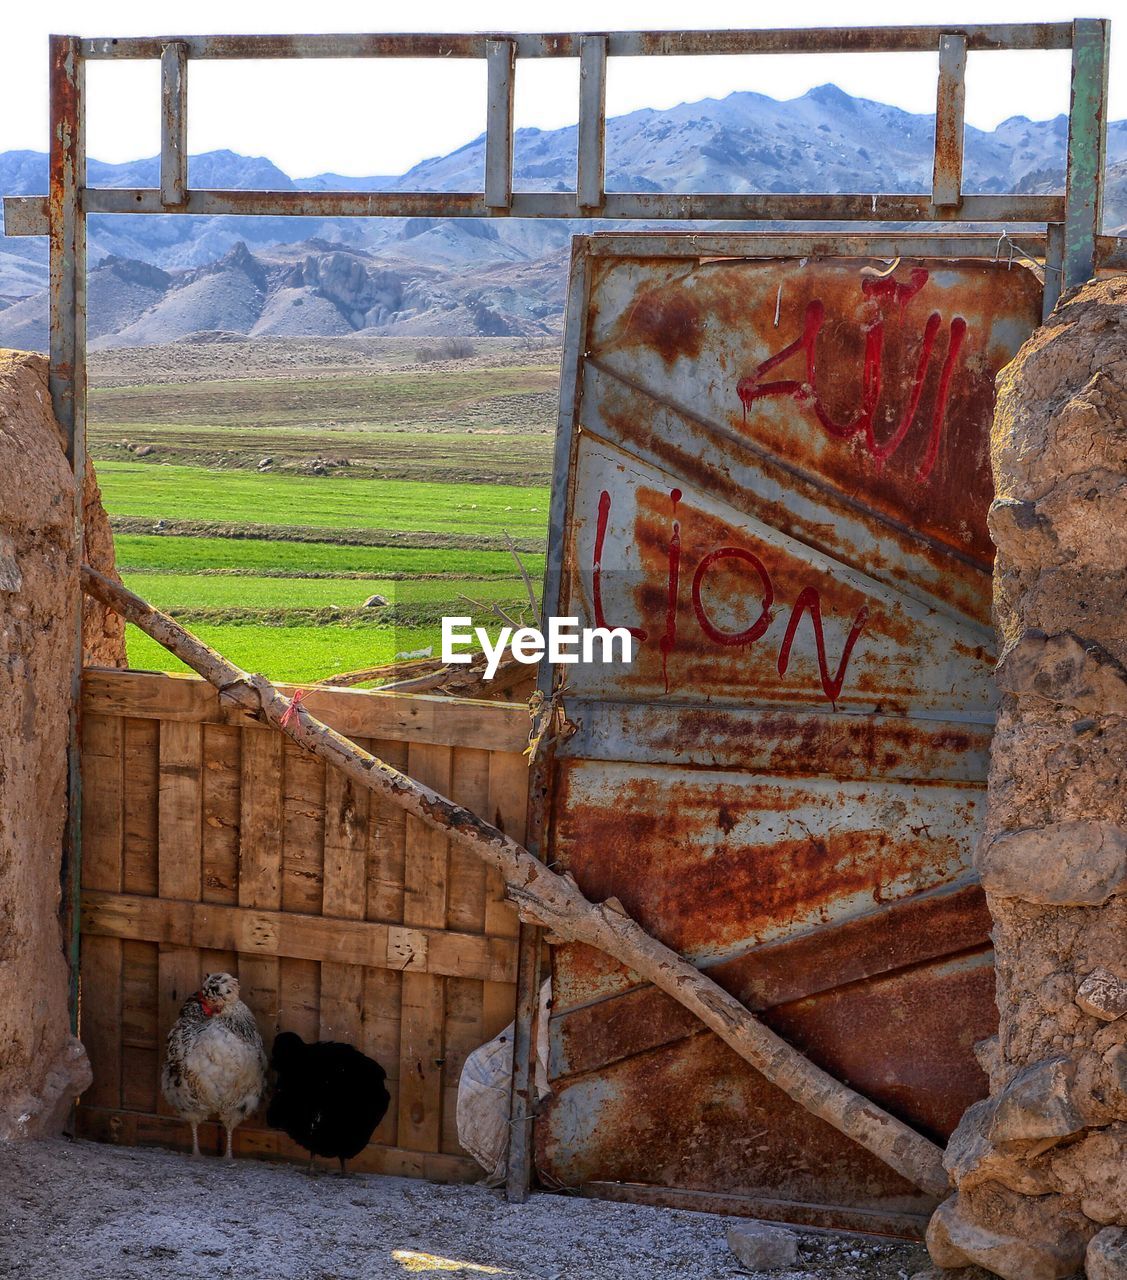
(554, 901)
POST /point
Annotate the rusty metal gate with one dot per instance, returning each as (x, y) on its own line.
(777, 476)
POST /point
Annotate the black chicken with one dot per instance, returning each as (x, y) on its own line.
(329, 1096)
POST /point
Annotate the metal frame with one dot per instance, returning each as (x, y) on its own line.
(1071, 242)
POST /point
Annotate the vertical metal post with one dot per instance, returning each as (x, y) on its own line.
(1087, 137)
(174, 124)
(500, 58)
(522, 1098)
(947, 178)
(591, 157)
(68, 396)
(1054, 264)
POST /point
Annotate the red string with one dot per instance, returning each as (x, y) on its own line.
(289, 712)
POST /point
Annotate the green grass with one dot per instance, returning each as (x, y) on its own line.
(298, 654)
(139, 552)
(193, 591)
(197, 493)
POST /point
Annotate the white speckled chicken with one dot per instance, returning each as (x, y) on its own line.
(215, 1064)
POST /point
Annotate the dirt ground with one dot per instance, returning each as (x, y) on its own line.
(77, 1209)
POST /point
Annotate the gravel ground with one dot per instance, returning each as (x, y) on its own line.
(79, 1209)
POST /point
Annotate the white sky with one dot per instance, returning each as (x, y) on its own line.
(370, 117)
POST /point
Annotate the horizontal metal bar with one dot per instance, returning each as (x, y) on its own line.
(814, 244)
(784, 741)
(1111, 252)
(622, 44)
(26, 216)
(557, 204)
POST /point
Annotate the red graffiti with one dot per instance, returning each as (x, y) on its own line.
(597, 566)
(757, 628)
(809, 601)
(669, 639)
(805, 391)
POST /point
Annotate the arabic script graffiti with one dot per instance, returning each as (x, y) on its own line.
(883, 293)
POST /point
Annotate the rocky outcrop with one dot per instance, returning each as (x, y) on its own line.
(41, 1065)
(1041, 1165)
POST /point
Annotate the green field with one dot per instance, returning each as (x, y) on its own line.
(173, 591)
(256, 557)
(200, 493)
(299, 654)
(153, 553)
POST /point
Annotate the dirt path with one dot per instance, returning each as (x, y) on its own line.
(77, 1209)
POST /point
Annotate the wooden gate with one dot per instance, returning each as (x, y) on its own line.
(212, 842)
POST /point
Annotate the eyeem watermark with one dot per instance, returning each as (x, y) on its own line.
(565, 641)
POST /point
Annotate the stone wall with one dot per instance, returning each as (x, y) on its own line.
(42, 1066)
(1041, 1165)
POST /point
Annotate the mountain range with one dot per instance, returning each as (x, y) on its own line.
(158, 279)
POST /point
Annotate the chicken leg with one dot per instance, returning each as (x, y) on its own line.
(195, 1139)
(229, 1154)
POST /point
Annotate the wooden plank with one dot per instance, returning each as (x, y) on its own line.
(500, 57)
(947, 179)
(387, 844)
(102, 816)
(420, 1062)
(345, 884)
(346, 847)
(507, 809)
(180, 810)
(141, 783)
(101, 1017)
(260, 872)
(299, 998)
(179, 879)
(465, 910)
(425, 880)
(421, 1049)
(342, 994)
(383, 989)
(222, 762)
(465, 907)
(357, 713)
(591, 158)
(462, 1035)
(100, 962)
(140, 1053)
(380, 1031)
(178, 976)
(264, 936)
(261, 821)
(303, 829)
